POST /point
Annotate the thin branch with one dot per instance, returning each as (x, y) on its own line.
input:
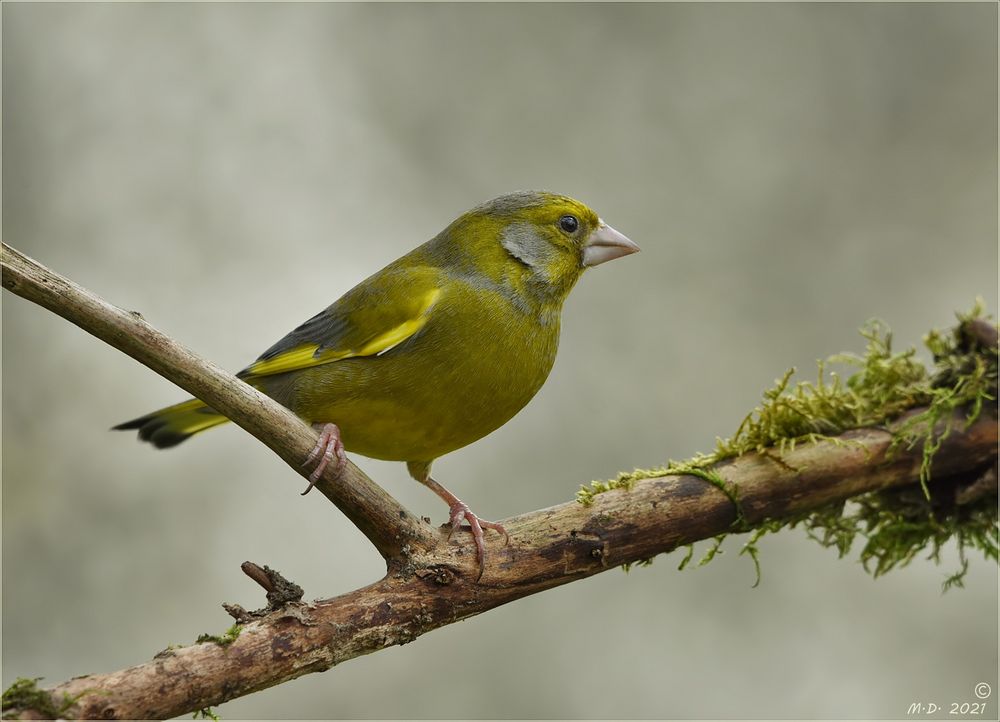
(430, 583)
(387, 524)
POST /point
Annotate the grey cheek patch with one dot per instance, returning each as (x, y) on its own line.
(525, 244)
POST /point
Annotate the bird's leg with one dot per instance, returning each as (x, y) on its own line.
(459, 512)
(328, 447)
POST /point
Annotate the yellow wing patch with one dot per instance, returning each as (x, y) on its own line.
(306, 356)
(296, 358)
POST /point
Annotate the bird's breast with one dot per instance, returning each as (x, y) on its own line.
(475, 364)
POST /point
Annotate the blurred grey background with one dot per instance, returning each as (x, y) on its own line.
(228, 170)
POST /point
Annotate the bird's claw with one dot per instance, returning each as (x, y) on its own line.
(328, 447)
(460, 512)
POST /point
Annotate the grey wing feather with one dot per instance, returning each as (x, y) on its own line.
(325, 328)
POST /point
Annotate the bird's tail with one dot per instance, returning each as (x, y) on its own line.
(172, 425)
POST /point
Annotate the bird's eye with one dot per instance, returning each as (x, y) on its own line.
(569, 224)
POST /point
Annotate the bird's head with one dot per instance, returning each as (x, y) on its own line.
(537, 242)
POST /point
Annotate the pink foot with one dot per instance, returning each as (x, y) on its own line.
(460, 512)
(328, 447)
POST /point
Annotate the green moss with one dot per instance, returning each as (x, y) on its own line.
(223, 640)
(881, 385)
(25, 694)
(627, 566)
(625, 480)
(206, 713)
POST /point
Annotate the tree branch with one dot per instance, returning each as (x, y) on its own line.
(387, 524)
(431, 583)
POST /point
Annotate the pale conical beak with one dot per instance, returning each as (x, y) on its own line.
(606, 244)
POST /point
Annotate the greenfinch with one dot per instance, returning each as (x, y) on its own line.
(436, 350)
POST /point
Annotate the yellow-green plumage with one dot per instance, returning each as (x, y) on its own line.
(439, 348)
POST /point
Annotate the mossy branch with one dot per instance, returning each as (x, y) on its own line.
(882, 388)
(760, 487)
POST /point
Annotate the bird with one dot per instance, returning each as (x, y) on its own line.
(433, 352)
